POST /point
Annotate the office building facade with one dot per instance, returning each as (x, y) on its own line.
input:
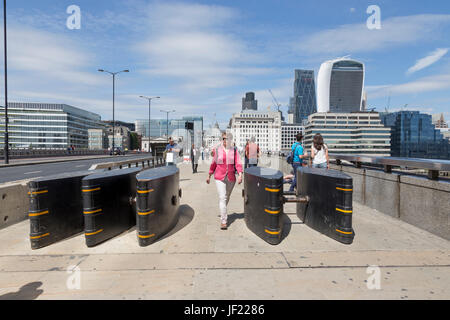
(173, 128)
(414, 135)
(289, 135)
(340, 85)
(303, 103)
(358, 133)
(265, 127)
(47, 126)
(97, 139)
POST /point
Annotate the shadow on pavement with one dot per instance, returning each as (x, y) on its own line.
(26, 292)
(186, 215)
(234, 216)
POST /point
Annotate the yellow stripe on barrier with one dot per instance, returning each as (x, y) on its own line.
(94, 211)
(41, 236)
(38, 192)
(145, 191)
(272, 232)
(345, 211)
(342, 189)
(145, 237)
(344, 232)
(90, 190)
(272, 212)
(145, 213)
(92, 233)
(272, 190)
(35, 214)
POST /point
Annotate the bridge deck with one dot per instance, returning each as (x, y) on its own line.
(200, 261)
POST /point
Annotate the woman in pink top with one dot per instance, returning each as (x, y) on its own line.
(226, 161)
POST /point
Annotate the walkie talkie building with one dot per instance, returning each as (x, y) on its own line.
(340, 85)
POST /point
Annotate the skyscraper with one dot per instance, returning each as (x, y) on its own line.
(249, 102)
(304, 101)
(340, 85)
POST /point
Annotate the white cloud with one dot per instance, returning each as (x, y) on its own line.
(427, 61)
(349, 39)
(188, 43)
(425, 84)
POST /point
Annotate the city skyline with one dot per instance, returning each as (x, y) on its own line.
(204, 61)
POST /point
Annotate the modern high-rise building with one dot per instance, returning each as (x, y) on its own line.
(358, 133)
(249, 102)
(47, 125)
(414, 135)
(303, 103)
(340, 85)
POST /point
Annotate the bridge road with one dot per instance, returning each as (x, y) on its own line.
(15, 173)
(200, 261)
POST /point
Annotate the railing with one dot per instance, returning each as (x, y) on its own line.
(151, 162)
(433, 166)
(40, 153)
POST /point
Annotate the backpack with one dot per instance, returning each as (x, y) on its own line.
(290, 156)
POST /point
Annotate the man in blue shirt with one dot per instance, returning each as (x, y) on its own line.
(297, 160)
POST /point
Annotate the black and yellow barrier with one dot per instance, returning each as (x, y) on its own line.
(108, 204)
(157, 203)
(56, 208)
(263, 207)
(329, 209)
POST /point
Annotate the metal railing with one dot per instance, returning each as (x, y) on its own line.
(433, 166)
(152, 162)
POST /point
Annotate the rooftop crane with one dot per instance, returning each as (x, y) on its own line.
(275, 100)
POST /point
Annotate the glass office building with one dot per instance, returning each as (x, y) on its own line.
(303, 103)
(414, 135)
(356, 133)
(174, 128)
(47, 126)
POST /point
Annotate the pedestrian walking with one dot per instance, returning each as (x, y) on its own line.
(226, 162)
(298, 154)
(252, 152)
(194, 158)
(319, 153)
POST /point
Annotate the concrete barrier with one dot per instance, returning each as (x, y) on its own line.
(14, 203)
(417, 200)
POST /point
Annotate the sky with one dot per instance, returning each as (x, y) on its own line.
(201, 57)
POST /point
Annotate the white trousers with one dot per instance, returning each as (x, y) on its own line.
(224, 189)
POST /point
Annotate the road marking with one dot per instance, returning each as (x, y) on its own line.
(33, 172)
(81, 165)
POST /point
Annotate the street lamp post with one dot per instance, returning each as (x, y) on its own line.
(149, 103)
(167, 122)
(114, 86)
(6, 139)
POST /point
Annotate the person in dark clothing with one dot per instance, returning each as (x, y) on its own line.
(194, 158)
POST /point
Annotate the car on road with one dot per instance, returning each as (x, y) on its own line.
(117, 151)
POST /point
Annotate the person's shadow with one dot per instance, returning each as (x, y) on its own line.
(26, 292)
(233, 217)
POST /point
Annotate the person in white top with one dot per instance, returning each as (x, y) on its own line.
(319, 153)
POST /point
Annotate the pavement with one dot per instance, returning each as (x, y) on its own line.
(39, 167)
(389, 259)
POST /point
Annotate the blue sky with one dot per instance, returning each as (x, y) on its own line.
(202, 56)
